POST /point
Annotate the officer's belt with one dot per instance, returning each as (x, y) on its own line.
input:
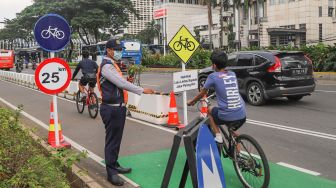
(117, 104)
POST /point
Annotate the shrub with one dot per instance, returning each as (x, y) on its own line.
(199, 60)
(23, 163)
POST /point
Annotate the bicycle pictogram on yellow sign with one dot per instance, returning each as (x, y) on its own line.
(184, 44)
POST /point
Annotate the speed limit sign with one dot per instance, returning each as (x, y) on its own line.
(53, 76)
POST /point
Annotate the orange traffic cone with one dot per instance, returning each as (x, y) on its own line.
(204, 109)
(51, 134)
(173, 120)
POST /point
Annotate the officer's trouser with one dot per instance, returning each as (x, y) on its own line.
(114, 120)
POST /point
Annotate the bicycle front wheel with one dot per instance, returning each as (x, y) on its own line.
(93, 105)
(250, 163)
(80, 103)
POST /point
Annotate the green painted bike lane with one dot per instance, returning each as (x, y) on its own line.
(149, 168)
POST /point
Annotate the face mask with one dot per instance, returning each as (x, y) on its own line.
(117, 55)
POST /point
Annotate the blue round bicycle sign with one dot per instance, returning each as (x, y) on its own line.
(52, 32)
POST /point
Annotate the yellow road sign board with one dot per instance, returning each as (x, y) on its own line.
(184, 44)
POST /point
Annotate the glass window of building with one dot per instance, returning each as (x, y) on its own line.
(282, 1)
(330, 11)
(273, 40)
(320, 11)
(320, 32)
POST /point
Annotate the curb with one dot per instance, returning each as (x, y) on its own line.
(325, 75)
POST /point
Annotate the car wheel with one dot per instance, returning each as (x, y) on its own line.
(295, 98)
(255, 94)
(201, 84)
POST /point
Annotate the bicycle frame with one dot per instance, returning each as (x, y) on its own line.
(227, 134)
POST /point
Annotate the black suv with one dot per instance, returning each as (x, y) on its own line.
(263, 75)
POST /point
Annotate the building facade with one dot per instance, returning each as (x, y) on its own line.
(285, 22)
(145, 11)
(171, 15)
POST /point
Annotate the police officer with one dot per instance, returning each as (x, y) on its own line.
(113, 88)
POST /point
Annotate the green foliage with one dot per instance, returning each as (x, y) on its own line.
(200, 59)
(231, 36)
(23, 163)
(147, 35)
(73, 64)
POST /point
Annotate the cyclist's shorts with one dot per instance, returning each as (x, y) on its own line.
(234, 125)
(87, 80)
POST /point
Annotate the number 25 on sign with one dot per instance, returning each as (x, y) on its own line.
(53, 76)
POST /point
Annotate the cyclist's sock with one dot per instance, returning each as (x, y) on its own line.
(219, 138)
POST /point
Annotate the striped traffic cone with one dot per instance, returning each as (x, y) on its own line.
(51, 134)
(173, 119)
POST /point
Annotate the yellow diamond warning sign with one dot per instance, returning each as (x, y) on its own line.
(184, 44)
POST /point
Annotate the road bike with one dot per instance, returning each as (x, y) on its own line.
(188, 45)
(91, 100)
(54, 32)
(249, 159)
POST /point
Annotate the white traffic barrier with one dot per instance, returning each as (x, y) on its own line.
(31, 81)
(150, 108)
(25, 80)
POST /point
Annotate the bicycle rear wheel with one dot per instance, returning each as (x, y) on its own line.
(250, 163)
(80, 103)
(93, 105)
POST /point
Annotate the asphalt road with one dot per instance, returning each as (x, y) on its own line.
(298, 133)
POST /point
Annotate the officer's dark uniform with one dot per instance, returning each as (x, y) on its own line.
(113, 114)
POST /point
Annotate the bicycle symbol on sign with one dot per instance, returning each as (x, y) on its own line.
(54, 32)
(188, 45)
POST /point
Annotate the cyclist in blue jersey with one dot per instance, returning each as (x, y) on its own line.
(231, 107)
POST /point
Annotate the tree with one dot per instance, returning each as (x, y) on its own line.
(210, 4)
(147, 35)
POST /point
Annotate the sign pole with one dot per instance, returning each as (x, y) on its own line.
(184, 45)
(52, 55)
(185, 108)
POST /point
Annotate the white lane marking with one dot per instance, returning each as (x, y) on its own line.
(151, 85)
(299, 169)
(292, 129)
(326, 91)
(74, 144)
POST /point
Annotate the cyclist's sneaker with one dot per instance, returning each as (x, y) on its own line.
(219, 138)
